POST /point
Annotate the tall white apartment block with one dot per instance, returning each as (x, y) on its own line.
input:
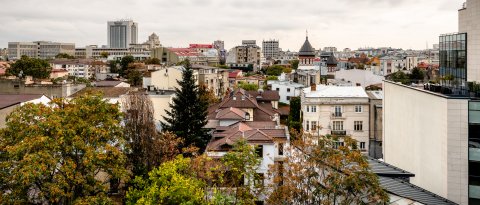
(270, 49)
(122, 33)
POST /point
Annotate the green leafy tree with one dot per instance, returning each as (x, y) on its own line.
(135, 77)
(247, 86)
(124, 64)
(64, 153)
(417, 74)
(400, 76)
(294, 64)
(275, 70)
(114, 66)
(171, 183)
(64, 55)
(188, 113)
(319, 172)
(294, 121)
(37, 68)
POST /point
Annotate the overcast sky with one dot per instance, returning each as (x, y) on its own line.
(340, 23)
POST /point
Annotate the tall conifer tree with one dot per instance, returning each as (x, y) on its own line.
(189, 113)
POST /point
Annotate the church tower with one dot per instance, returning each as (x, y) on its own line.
(306, 55)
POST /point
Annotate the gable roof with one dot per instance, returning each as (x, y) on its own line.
(231, 113)
(266, 95)
(7, 100)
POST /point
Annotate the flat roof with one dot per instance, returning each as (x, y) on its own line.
(335, 92)
(7, 100)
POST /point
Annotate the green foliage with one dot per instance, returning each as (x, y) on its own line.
(275, 70)
(400, 76)
(135, 77)
(104, 54)
(126, 60)
(417, 74)
(66, 153)
(188, 113)
(114, 66)
(37, 68)
(64, 55)
(272, 78)
(172, 183)
(247, 86)
(223, 66)
(155, 61)
(294, 64)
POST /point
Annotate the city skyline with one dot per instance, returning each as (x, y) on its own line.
(351, 24)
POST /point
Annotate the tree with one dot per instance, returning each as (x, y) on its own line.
(124, 63)
(417, 74)
(294, 121)
(294, 64)
(207, 95)
(37, 68)
(400, 76)
(247, 86)
(64, 55)
(114, 66)
(321, 173)
(275, 70)
(104, 54)
(152, 61)
(188, 113)
(134, 77)
(147, 148)
(171, 183)
(64, 153)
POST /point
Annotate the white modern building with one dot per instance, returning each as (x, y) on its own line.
(285, 88)
(337, 110)
(359, 77)
(468, 22)
(39, 49)
(122, 33)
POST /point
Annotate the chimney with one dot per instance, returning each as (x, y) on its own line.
(313, 87)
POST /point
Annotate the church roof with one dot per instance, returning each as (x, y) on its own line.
(307, 49)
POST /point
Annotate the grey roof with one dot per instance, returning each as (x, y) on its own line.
(407, 190)
(332, 60)
(383, 169)
(307, 49)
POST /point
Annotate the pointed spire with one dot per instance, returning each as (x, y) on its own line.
(306, 33)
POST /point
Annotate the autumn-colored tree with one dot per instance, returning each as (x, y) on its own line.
(319, 170)
(207, 95)
(147, 148)
(64, 153)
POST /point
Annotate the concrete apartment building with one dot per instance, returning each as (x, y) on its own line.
(248, 54)
(433, 131)
(285, 88)
(138, 51)
(270, 49)
(337, 110)
(80, 68)
(122, 33)
(39, 49)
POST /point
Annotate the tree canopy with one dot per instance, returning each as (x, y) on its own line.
(188, 113)
(64, 153)
(64, 55)
(294, 64)
(247, 86)
(37, 68)
(324, 172)
(152, 61)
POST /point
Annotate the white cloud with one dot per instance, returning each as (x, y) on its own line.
(340, 23)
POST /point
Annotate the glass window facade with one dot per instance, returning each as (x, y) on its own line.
(474, 151)
(453, 62)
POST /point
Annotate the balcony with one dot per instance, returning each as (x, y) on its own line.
(337, 115)
(339, 132)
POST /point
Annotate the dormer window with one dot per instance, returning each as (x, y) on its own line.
(243, 97)
(234, 97)
(247, 116)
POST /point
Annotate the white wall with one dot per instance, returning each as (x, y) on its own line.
(469, 21)
(166, 79)
(426, 134)
(363, 77)
(283, 87)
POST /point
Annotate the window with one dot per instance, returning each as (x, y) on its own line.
(277, 89)
(337, 125)
(362, 145)
(338, 111)
(259, 178)
(358, 108)
(314, 108)
(314, 125)
(288, 97)
(308, 108)
(247, 116)
(358, 125)
(259, 151)
(336, 145)
(288, 90)
(308, 125)
(280, 148)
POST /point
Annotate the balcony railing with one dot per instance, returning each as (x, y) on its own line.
(339, 132)
(337, 115)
